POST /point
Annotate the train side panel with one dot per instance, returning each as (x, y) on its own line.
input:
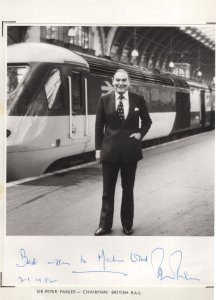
(202, 99)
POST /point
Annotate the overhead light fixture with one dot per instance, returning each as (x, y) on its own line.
(199, 73)
(171, 64)
(134, 52)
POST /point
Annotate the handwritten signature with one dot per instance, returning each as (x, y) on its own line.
(174, 265)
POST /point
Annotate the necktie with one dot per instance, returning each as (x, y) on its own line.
(120, 109)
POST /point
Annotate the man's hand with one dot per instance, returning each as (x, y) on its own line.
(97, 155)
(136, 135)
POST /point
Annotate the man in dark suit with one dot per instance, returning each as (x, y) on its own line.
(118, 147)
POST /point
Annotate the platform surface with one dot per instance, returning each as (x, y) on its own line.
(174, 196)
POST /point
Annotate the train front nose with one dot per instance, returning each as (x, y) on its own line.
(13, 167)
(24, 163)
(18, 161)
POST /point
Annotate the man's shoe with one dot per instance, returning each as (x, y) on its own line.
(127, 231)
(102, 231)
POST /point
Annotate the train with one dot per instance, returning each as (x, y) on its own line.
(52, 94)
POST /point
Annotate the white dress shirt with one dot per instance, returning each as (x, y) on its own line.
(125, 102)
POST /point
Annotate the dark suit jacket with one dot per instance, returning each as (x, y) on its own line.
(113, 138)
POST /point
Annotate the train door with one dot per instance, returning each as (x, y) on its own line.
(202, 108)
(76, 83)
(182, 110)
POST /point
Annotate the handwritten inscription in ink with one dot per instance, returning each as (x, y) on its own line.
(163, 266)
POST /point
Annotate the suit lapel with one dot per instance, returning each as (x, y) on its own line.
(131, 106)
(112, 102)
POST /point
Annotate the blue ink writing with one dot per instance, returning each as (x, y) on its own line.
(23, 279)
(82, 260)
(134, 257)
(36, 280)
(58, 262)
(45, 280)
(165, 266)
(102, 258)
(26, 260)
(174, 262)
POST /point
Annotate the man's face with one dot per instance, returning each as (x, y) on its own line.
(121, 82)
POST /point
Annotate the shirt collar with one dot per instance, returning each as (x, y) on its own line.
(125, 95)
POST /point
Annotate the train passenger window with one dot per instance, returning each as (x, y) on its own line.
(76, 92)
(53, 90)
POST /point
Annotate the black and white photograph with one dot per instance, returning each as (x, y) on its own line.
(110, 130)
(107, 147)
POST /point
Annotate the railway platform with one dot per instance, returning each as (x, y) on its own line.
(174, 195)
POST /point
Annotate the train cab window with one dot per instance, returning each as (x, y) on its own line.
(15, 78)
(49, 99)
(53, 90)
(40, 94)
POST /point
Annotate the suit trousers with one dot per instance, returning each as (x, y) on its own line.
(110, 174)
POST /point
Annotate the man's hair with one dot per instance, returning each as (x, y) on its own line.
(122, 71)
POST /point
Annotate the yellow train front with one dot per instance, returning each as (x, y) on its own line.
(52, 98)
